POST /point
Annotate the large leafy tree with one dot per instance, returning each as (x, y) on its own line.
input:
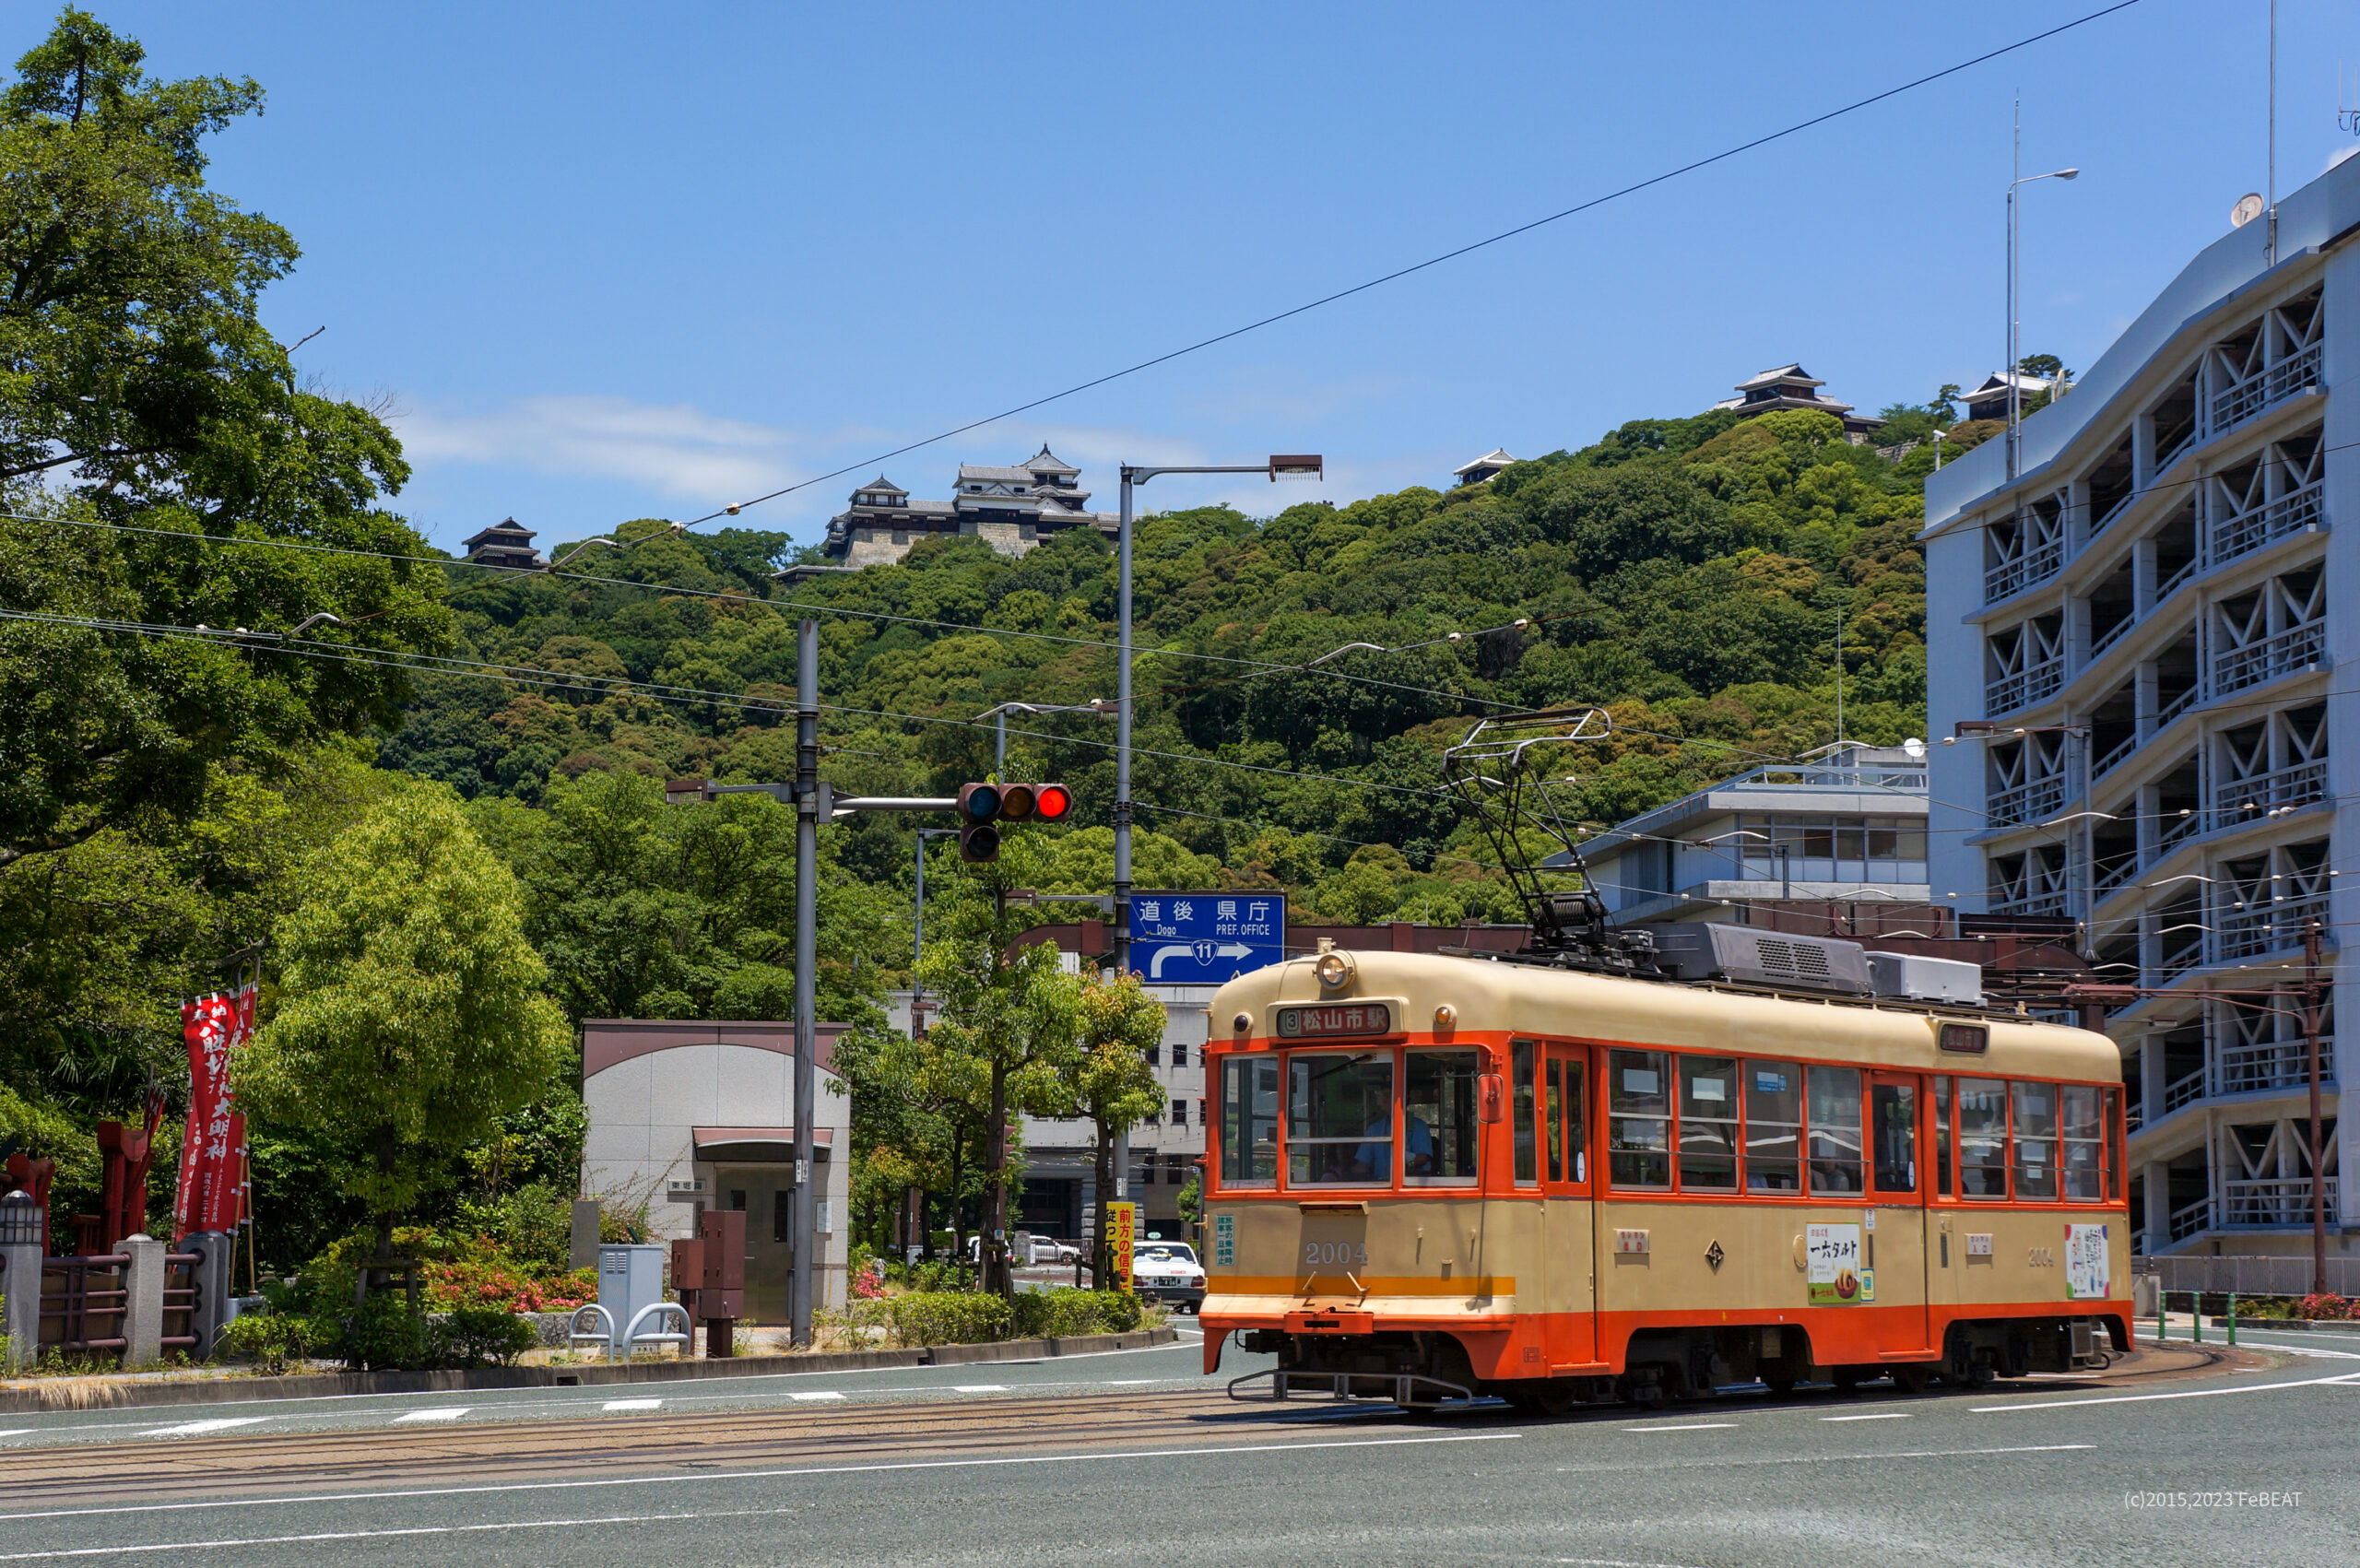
(1010, 1029)
(412, 1013)
(148, 421)
(1113, 1084)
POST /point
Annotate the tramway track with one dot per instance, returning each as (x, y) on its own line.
(230, 1465)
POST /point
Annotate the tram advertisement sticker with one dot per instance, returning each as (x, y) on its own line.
(2088, 1272)
(1833, 1276)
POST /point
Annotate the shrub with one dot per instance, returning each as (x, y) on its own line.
(472, 1336)
(947, 1317)
(2327, 1306)
(386, 1336)
(273, 1341)
(1058, 1313)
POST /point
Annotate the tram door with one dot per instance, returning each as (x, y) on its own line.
(1899, 1175)
(1565, 1170)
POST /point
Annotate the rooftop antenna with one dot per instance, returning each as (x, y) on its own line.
(2347, 116)
(2270, 240)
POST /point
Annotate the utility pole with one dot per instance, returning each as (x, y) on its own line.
(807, 805)
(2312, 1049)
(1121, 913)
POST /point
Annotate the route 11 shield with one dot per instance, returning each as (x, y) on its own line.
(1205, 939)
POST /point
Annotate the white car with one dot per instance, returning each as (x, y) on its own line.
(1049, 1250)
(1168, 1271)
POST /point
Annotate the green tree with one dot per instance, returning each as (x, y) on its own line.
(1113, 1084)
(1011, 1024)
(411, 1013)
(138, 388)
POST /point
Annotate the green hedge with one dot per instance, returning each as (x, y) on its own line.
(1056, 1315)
(973, 1317)
(947, 1317)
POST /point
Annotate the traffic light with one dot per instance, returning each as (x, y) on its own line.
(983, 806)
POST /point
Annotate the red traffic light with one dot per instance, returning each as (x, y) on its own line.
(1050, 802)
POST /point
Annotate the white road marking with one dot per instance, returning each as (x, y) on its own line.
(190, 1429)
(1890, 1416)
(676, 1477)
(453, 1413)
(1692, 1426)
(816, 1396)
(1129, 1382)
(2140, 1398)
(979, 1389)
(19, 1432)
(631, 1404)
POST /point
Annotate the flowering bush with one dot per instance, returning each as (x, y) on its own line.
(868, 1284)
(483, 1275)
(2329, 1305)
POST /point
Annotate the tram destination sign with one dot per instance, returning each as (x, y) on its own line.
(1205, 939)
(1336, 1018)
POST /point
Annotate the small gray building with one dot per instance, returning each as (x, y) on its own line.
(687, 1115)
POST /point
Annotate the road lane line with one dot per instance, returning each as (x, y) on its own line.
(815, 1395)
(2140, 1398)
(1888, 1416)
(633, 1405)
(452, 1414)
(1691, 1426)
(675, 1478)
(979, 1389)
(219, 1424)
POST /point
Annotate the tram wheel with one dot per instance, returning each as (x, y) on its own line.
(1912, 1379)
(1545, 1399)
(1847, 1378)
(1779, 1387)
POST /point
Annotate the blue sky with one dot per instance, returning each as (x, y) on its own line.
(605, 261)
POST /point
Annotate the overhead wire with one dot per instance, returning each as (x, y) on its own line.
(1398, 273)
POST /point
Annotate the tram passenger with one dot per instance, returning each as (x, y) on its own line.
(1374, 1160)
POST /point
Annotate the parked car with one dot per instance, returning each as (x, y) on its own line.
(1049, 1251)
(1168, 1271)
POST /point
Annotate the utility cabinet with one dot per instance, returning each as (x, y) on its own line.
(631, 1279)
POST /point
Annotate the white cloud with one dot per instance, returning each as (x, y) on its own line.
(671, 449)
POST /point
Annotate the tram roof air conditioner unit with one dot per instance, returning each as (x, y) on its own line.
(1707, 950)
(1909, 977)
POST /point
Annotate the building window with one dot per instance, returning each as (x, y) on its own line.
(1179, 1054)
(1179, 1112)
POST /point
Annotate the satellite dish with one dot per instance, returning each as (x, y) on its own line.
(2249, 208)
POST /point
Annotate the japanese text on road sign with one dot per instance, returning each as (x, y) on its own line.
(1205, 939)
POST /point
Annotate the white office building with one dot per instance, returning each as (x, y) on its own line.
(2149, 626)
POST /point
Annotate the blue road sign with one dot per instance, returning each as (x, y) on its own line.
(1205, 939)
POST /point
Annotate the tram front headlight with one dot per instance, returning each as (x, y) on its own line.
(1334, 969)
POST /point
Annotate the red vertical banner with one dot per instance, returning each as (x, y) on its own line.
(213, 1151)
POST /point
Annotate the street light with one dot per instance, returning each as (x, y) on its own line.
(1098, 705)
(1283, 466)
(2015, 389)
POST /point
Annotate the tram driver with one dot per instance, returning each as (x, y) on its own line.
(1373, 1160)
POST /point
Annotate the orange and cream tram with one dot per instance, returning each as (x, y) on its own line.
(1433, 1176)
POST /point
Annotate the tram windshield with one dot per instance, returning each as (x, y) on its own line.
(1339, 1120)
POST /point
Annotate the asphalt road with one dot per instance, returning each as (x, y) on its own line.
(1133, 1457)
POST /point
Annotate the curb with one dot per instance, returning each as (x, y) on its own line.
(126, 1394)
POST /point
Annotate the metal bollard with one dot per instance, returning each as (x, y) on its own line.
(2196, 1316)
(2233, 1317)
(2163, 1307)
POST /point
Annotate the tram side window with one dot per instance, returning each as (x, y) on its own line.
(1638, 1109)
(1340, 1119)
(1893, 1113)
(2035, 1141)
(1249, 1120)
(1576, 1120)
(1524, 1059)
(1835, 1130)
(1982, 1139)
(1774, 1126)
(2114, 1145)
(1943, 1135)
(2084, 1136)
(1438, 1118)
(1707, 1123)
(1553, 1118)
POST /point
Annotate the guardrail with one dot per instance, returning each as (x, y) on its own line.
(2248, 1276)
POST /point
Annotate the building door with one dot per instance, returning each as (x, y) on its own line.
(1896, 1243)
(1571, 1222)
(765, 1194)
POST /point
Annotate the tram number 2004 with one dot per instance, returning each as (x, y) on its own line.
(1347, 1253)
